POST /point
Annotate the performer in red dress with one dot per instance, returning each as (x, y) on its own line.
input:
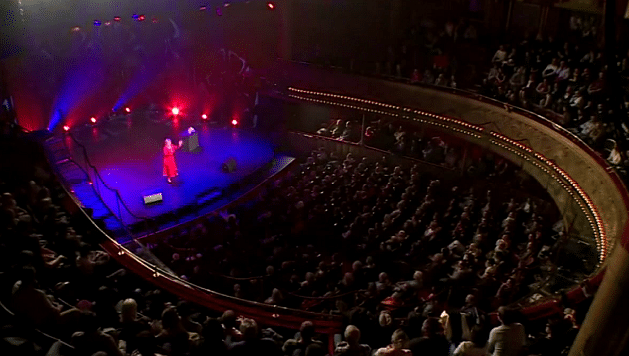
(170, 167)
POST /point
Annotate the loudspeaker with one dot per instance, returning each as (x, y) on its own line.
(229, 165)
(153, 198)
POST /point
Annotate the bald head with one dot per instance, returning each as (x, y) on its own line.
(352, 335)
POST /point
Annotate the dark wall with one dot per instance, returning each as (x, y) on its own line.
(336, 30)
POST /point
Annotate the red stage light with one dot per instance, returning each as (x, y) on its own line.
(127, 109)
(117, 18)
(141, 18)
(203, 8)
(66, 128)
(270, 5)
(204, 117)
(93, 120)
(175, 111)
(234, 122)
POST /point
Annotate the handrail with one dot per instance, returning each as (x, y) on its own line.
(119, 200)
(115, 191)
(163, 278)
(620, 184)
(265, 314)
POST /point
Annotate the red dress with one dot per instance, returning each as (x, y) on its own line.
(170, 167)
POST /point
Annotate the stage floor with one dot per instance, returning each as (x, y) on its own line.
(128, 156)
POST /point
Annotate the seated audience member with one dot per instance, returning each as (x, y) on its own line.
(432, 342)
(434, 151)
(146, 345)
(509, 338)
(230, 327)
(130, 325)
(543, 88)
(398, 347)
(551, 70)
(251, 343)
(32, 304)
(592, 130)
(91, 339)
(500, 55)
(477, 346)
(298, 345)
(173, 337)
(352, 346)
(518, 79)
(553, 342)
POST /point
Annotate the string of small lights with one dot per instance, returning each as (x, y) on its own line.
(559, 175)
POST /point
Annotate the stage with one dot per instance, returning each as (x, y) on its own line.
(126, 153)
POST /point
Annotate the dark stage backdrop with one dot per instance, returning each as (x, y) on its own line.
(58, 75)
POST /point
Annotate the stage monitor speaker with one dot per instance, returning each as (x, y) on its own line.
(153, 198)
(229, 165)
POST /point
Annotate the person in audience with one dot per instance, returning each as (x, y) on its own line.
(500, 55)
(352, 346)
(476, 346)
(432, 341)
(398, 347)
(508, 339)
(230, 327)
(146, 345)
(130, 325)
(173, 337)
(298, 345)
(33, 305)
(91, 339)
(551, 70)
(518, 79)
(592, 130)
(252, 343)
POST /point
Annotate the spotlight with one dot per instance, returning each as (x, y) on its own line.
(117, 18)
(141, 18)
(97, 23)
(226, 4)
(76, 29)
(93, 120)
(204, 117)
(270, 5)
(127, 109)
(234, 122)
(203, 8)
(107, 23)
(135, 16)
(175, 111)
(66, 128)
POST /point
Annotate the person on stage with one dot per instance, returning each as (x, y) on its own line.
(170, 167)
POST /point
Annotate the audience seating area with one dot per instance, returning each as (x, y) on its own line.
(414, 264)
(340, 235)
